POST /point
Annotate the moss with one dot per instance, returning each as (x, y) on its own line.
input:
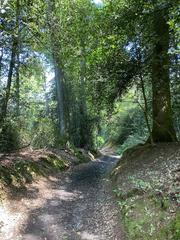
(145, 219)
(172, 230)
(5, 175)
(21, 171)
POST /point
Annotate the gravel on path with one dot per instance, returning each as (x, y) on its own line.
(76, 205)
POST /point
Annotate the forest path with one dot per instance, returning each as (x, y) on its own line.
(75, 205)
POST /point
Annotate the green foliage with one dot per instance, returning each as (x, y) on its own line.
(81, 155)
(171, 230)
(126, 127)
(100, 51)
(43, 133)
(147, 212)
(9, 136)
(20, 172)
(103, 54)
(99, 142)
(145, 221)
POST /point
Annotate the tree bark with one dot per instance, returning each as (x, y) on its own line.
(145, 109)
(1, 59)
(57, 66)
(18, 19)
(163, 129)
(84, 131)
(15, 42)
(46, 97)
(9, 80)
(59, 94)
(17, 86)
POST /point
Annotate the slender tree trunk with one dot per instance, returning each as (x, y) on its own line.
(1, 58)
(57, 66)
(9, 80)
(163, 129)
(82, 80)
(17, 85)
(145, 110)
(83, 108)
(67, 96)
(15, 42)
(18, 18)
(142, 84)
(46, 97)
(59, 94)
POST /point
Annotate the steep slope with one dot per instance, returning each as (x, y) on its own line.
(146, 181)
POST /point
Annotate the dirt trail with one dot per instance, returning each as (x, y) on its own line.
(75, 205)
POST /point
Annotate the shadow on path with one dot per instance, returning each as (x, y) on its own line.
(77, 205)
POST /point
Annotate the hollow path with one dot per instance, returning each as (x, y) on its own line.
(75, 205)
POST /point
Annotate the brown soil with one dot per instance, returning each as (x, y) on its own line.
(75, 205)
(28, 154)
(155, 164)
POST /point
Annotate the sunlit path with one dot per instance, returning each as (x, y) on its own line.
(78, 205)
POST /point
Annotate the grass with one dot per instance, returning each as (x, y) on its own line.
(130, 142)
(81, 156)
(147, 186)
(146, 218)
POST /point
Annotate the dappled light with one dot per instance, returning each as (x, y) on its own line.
(66, 206)
(87, 236)
(89, 120)
(9, 222)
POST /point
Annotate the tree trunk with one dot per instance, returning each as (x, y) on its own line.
(18, 19)
(84, 131)
(163, 129)
(15, 42)
(57, 65)
(59, 94)
(145, 109)
(1, 59)
(46, 97)
(9, 80)
(17, 86)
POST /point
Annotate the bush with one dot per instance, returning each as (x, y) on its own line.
(99, 142)
(43, 134)
(22, 171)
(9, 137)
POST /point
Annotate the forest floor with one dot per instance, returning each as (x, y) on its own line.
(75, 204)
(146, 182)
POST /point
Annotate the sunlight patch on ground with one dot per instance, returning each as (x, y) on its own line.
(115, 156)
(9, 223)
(87, 236)
(67, 196)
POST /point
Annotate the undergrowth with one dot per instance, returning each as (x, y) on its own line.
(20, 172)
(148, 213)
(81, 155)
